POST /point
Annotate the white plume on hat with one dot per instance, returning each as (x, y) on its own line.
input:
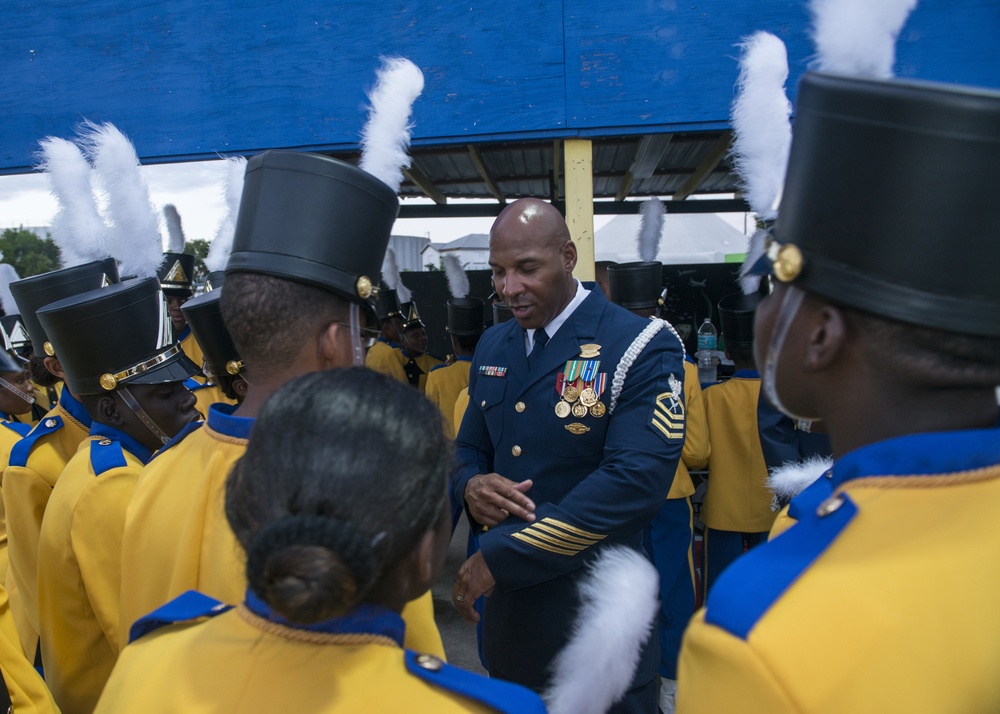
(650, 229)
(222, 245)
(458, 281)
(390, 274)
(175, 231)
(77, 228)
(8, 275)
(134, 222)
(763, 135)
(386, 136)
(858, 37)
(619, 600)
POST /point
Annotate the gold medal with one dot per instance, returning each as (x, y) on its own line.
(588, 397)
(563, 409)
(579, 410)
(589, 351)
(571, 394)
(598, 410)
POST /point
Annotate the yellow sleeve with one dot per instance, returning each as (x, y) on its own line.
(422, 633)
(461, 404)
(435, 394)
(25, 496)
(96, 537)
(696, 444)
(28, 693)
(387, 361)
(782, 523)
(718, 672)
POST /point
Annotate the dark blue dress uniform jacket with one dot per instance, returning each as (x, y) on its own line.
(591, 489)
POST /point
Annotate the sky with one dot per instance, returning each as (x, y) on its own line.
(195, 188)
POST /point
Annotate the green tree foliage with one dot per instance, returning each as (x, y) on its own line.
(199, 249)
(29, 254)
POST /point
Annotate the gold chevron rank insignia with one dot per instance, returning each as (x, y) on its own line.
(668, 414)
(557, 537)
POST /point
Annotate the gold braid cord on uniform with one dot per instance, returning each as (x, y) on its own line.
(315, 638)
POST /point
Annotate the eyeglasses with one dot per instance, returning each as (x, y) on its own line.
(369, 335)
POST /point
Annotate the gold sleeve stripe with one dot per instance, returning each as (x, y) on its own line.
(668, 417)
(556, 532)
(668, 434)
(555, 540)
(573, 529)
(668, 423)
(540, 545)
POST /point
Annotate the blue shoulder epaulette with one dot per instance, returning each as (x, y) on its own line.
(439, 366)
(106, 454)
(193, 385)
(500, 695)
(189, 606)
(748, 588)
(17, 427)
(189, 428)
(22, 449)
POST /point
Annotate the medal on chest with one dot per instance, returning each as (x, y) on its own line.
(580, 386)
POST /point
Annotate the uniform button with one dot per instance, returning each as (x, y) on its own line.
(829, 506)
(516, 450)
(519, 406)
(483, 404)
(429, 662)
(50, 423)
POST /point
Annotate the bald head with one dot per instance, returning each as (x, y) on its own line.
(532, 257)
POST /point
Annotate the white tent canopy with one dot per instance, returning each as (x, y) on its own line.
(687, 238)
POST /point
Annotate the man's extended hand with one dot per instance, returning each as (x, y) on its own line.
(491, 498)
(474, 579)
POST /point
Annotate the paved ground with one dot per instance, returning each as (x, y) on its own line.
(458, 635)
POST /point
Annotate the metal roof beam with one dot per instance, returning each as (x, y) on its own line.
(601, 208)
(718, 152)
(477, 160)
(648, 154)
(425, 184)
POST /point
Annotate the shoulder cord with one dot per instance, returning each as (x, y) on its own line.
(633, 352)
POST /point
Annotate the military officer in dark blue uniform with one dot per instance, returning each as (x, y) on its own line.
(570, 443)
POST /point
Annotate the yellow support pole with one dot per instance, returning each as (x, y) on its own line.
(579, 176)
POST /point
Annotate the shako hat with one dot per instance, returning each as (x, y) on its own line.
(10, 361)
(215, 280)
(113, 336)
(465, 316)
(736, 313)
(411, 317)
(16, 332)
(314, 220)
(887, 181)
(176, 274)
(635, 286)
(204, 314)
(501, 313)
(387, 304)
(37, 291)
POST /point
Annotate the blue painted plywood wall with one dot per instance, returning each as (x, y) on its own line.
(190, 79)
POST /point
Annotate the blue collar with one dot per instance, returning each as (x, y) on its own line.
(128, 443)
(184, 334)
(394, 345)
(70, 403)
(463, 359)
(746, 374)
(362, 620)
(929, 454)
(222, 420)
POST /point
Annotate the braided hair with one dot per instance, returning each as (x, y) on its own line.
(345, 471)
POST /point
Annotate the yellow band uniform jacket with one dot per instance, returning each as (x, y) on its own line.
(11, 432)
(461, 404)
(694, 455)
(444, 384)
(246, 659)
(177, 537)
(28, 693)
(79, 566)
(737, 498)
(383, 357)
(881, 598)
(191, 347)
(598, 480)
(425, 362)
(36, 462)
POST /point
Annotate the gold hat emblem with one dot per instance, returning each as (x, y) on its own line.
(176, 274)
(233, 367)
(108, 381)
(364, 287)
(788, 263)
(49, 349)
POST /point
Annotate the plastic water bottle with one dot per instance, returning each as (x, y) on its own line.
(707, 337)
